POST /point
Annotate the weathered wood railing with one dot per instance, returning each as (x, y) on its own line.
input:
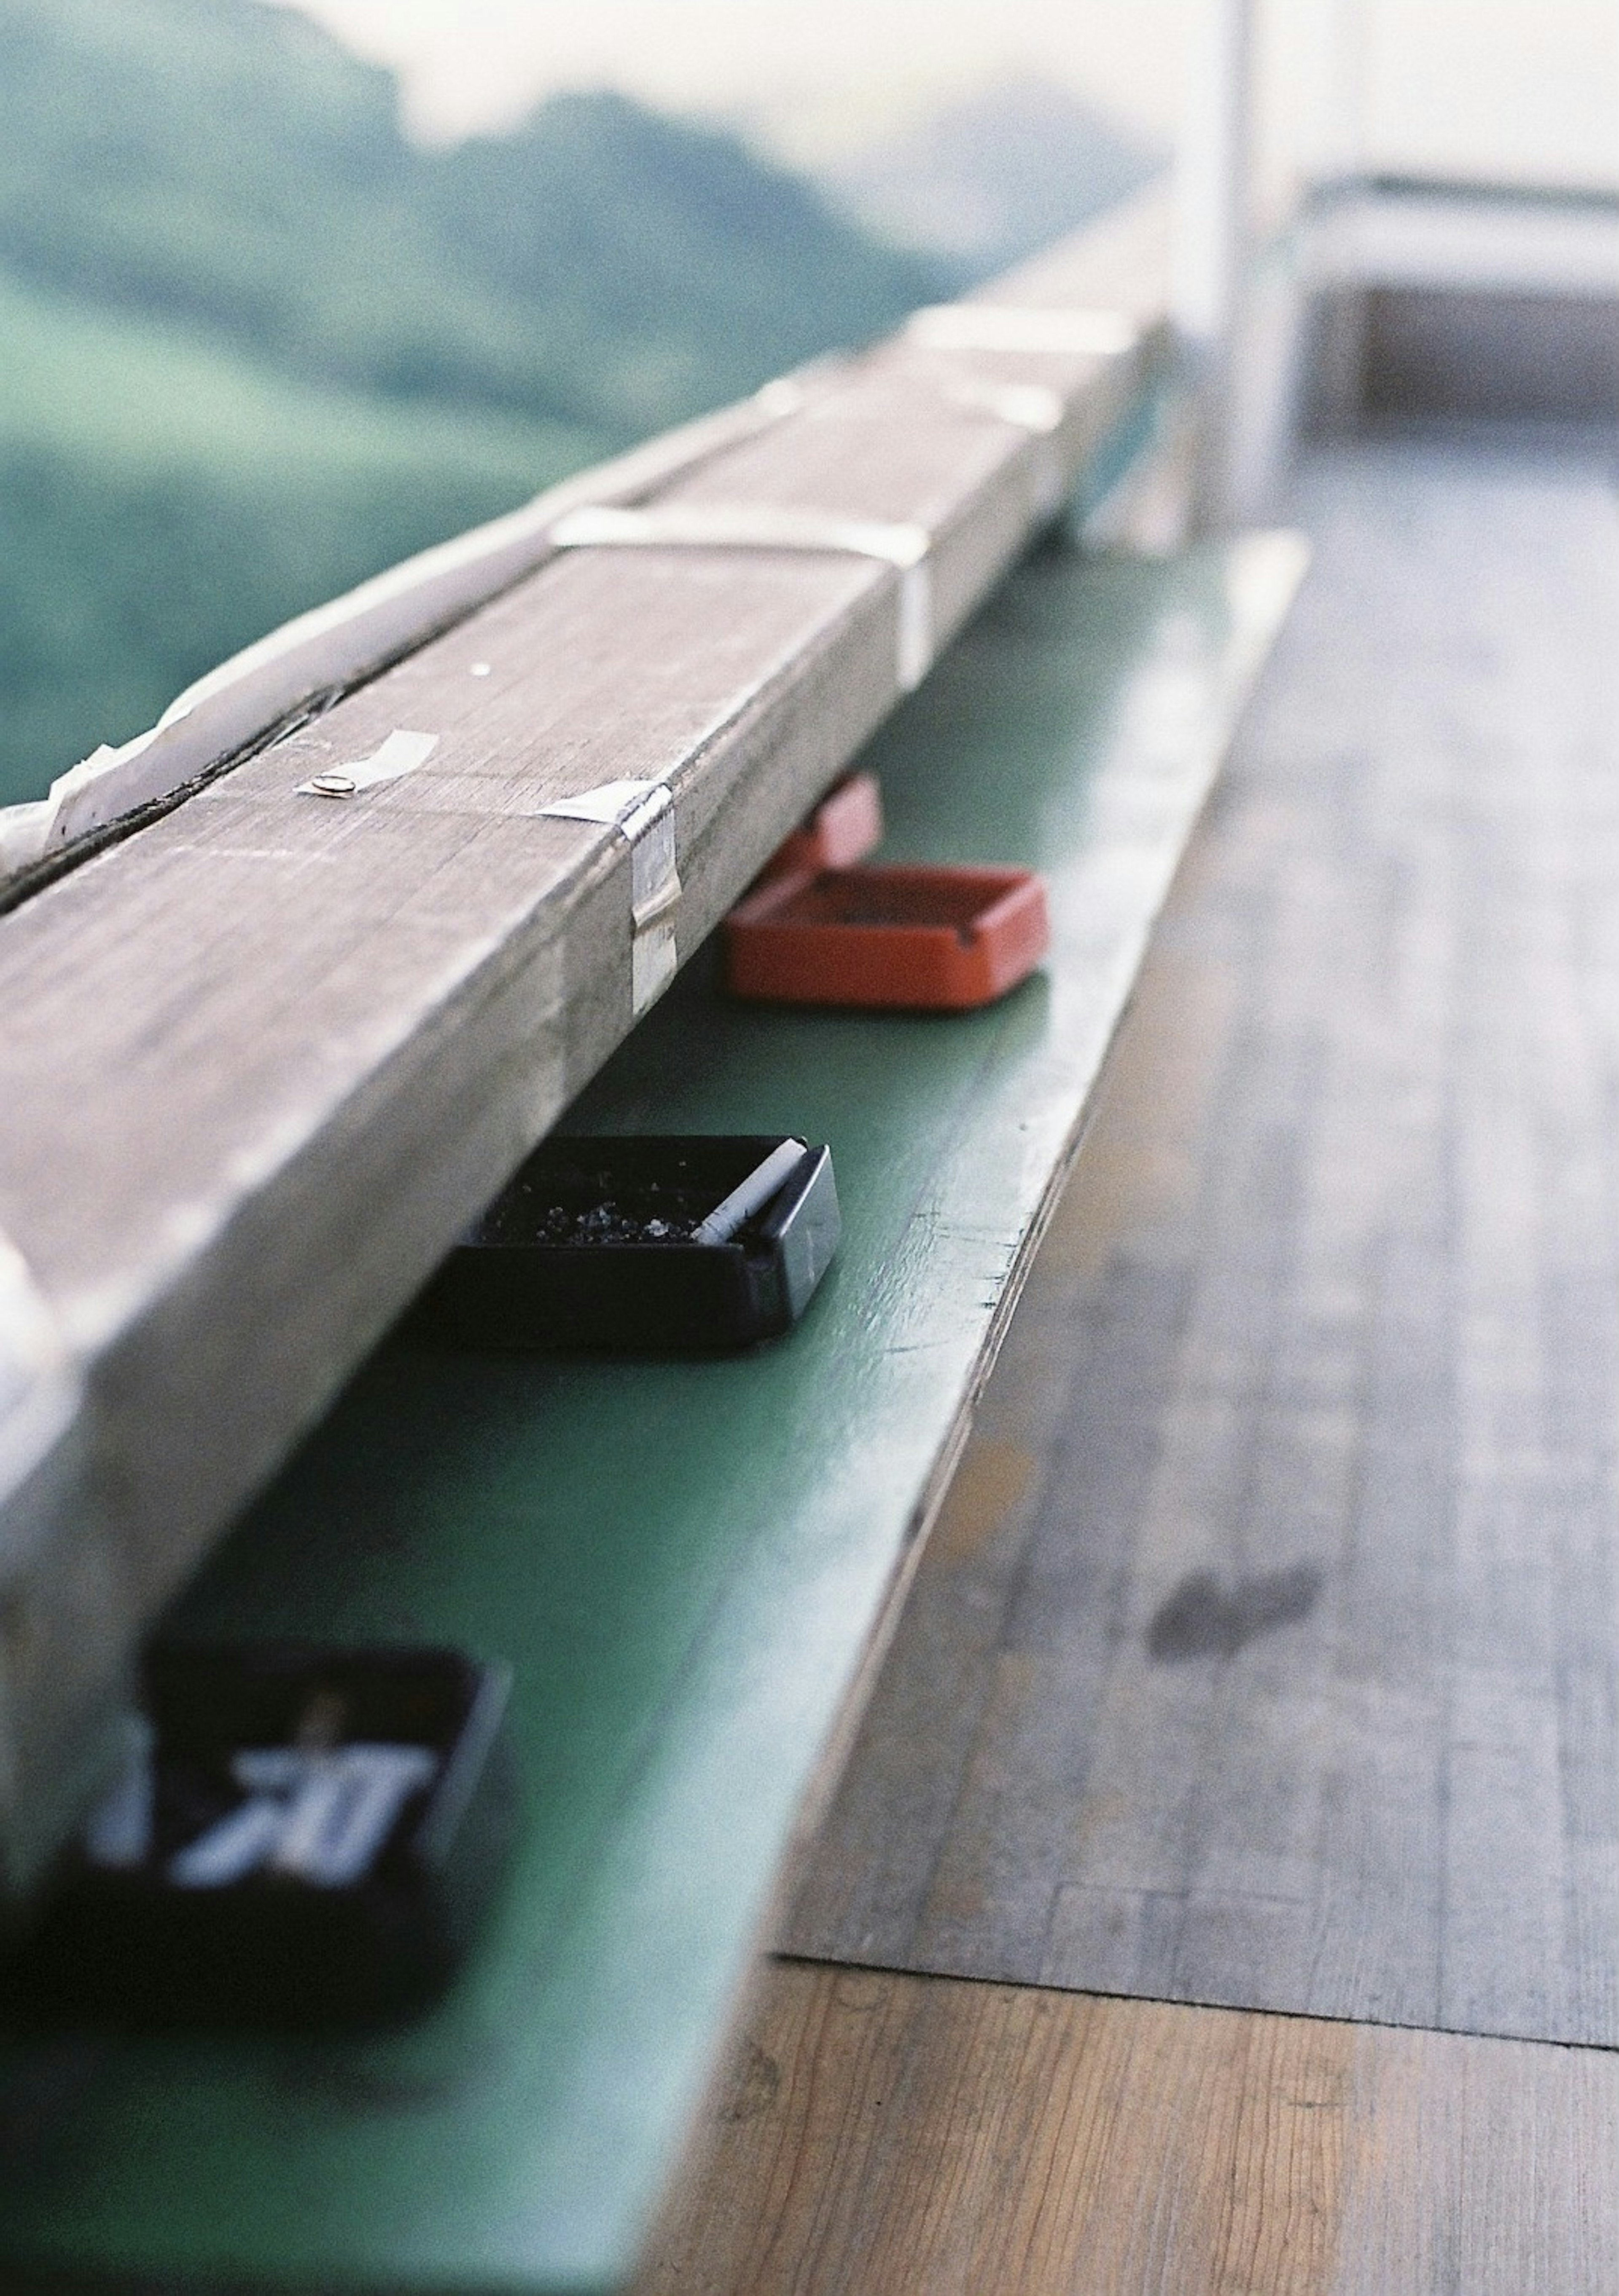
(291, 986)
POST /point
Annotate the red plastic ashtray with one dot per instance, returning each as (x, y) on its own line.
(925, 939)
(843, 829)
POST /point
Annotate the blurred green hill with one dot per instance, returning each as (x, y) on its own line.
(254, 344)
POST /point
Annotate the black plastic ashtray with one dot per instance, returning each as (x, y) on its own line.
(643, 1245)
(301, 1837)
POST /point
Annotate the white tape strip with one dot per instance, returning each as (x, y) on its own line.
(1031, 406)
(643, 814)
(24, 829)
(399, 755)
(38, 1385)
(332, 646)
(608, 803)
(653, 961)
(763, 525)
(1005, 327)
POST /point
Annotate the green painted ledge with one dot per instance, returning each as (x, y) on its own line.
(684, 1561)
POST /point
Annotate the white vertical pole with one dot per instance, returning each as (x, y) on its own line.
(1214, 226)
(1343, 90)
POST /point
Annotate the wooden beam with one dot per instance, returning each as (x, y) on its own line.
(265, 1060)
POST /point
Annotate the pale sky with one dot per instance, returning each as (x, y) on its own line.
(481, 62)
(1518, 87)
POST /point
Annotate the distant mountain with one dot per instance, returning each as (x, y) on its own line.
(254, 344)
(164, 500)
(994, 178)
(227, 162)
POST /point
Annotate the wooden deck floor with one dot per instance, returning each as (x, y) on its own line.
(1270, 1656)
(891, 2136)
(1267, 1651)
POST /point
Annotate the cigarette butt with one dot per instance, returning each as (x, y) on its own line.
(765, 1181)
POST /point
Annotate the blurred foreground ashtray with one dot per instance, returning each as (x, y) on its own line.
(301, 1836)
(918, 937)
(647, 1245)
(843, 829)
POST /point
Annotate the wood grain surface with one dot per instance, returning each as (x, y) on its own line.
(1268, 1651)
(877, 2135)
(262, 1062)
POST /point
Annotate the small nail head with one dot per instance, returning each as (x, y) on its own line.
(331, 785)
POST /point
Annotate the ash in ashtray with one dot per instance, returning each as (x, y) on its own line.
(654, 1213)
